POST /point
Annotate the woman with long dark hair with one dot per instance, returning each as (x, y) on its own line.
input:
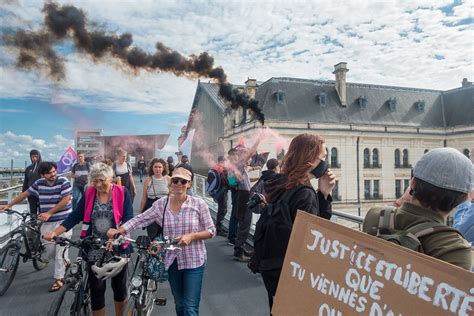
(156, 186)
(305, 160)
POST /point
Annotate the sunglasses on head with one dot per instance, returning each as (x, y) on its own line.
(177, 180)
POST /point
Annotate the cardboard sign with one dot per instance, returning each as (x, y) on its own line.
(333, 270)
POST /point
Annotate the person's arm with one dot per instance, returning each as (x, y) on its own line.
(127, 207)
(132, 184)
(76, 216)
(144, 195)
(208, 229)
(46, 215)
(56, 232)
(152, 215)
(25, 182)
(18, 199)
(168, 179)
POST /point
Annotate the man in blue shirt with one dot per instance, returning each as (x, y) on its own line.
(54, 195)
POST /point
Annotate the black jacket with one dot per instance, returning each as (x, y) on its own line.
(304, 199)
(31, 172)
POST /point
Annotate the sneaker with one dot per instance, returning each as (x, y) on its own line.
(231, 243)
(241, 258)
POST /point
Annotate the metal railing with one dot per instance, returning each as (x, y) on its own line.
(199, 188)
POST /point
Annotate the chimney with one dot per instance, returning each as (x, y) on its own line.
(340, 70)
(466, 83)
(251, 87)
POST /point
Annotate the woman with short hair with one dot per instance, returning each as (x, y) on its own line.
(104, 205)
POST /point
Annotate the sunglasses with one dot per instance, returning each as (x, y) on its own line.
(178, 180)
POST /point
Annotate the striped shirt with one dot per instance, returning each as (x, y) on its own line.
(50, 195)
(193, 217)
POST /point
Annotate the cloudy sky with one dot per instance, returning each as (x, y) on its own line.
(423, 44)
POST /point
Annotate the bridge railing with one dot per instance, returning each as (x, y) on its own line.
(199, 188)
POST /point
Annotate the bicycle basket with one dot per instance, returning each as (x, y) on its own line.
(155, 268)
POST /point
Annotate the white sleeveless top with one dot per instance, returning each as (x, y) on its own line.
(157, 188)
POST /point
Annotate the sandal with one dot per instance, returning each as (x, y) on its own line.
(58, 283)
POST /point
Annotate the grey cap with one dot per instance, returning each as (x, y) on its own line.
(445, 168)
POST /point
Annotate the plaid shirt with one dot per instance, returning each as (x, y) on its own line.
(193, 217)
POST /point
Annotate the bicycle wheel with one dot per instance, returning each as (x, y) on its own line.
(134, 307)
(9, 261)
(39, 254)
(149, 298)
(65, 302)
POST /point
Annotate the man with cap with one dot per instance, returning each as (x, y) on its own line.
(442, 179)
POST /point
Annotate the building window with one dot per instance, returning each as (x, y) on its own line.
(405, 159)
(322, 99)
(280, 97)
(466, 153)
(367, 189)
(362, 102)
(420, 105)
(334, 163)
(392, 104)
(376, 191)
(375, 158)
(406, 183)
(398, 188)
(366, 158)
(397, 158)
(335, 192)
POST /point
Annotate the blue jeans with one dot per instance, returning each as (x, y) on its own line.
(77, 193)
(186, 287)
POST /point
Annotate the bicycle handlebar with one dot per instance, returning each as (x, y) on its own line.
(81, 243)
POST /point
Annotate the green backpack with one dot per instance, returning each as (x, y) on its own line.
(408, 238)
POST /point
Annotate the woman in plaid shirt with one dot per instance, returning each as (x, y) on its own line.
(187, 219)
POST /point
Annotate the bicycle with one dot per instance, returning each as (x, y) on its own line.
(28, 235)
(143, 286)
(74, 297)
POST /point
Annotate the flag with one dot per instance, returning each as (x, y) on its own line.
(66, 161)
(187, 144)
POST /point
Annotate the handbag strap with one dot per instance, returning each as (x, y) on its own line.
(163, 219)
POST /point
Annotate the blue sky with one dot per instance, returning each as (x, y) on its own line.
(424, 44)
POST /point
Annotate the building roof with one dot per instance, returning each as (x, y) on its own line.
(410, 106)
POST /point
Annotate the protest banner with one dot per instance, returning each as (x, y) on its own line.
(66, 161)
(333, 270)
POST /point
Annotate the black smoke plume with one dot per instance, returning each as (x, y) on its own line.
(65, 22)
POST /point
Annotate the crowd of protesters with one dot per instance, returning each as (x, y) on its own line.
(168, 208)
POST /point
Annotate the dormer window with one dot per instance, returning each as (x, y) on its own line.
(322, 99)
(362, 102)
(392, 104)
(280, 97)
(420, 105)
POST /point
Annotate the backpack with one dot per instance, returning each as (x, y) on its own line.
(408, 238)
(216, 184)
(272, 233)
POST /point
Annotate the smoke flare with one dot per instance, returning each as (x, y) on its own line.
(64, 22)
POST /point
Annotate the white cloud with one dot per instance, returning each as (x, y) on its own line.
(17, 147)
(392, 43)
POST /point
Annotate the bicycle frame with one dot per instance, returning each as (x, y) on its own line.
(20, 235)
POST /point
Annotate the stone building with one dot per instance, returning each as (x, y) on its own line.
(374, 134)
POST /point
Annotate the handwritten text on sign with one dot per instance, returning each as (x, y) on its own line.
(333, 270)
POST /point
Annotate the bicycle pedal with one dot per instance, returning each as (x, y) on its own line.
(161, 301)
